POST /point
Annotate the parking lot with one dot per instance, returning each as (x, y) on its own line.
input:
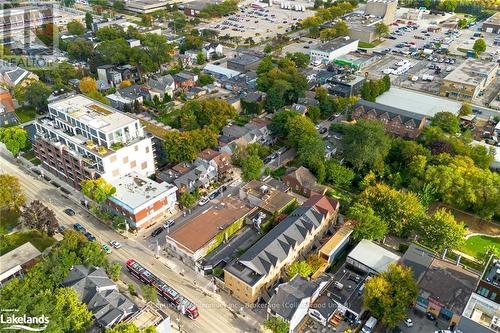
(259, 23)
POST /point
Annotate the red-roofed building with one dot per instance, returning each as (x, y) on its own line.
(325, 205)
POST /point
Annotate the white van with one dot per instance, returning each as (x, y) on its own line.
(369, 325)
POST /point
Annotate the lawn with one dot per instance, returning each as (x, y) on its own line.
(8, 220)
(365, 45)
(475, 245)
(25, 114)
(40, 240)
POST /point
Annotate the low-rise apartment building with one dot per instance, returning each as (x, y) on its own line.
(84, 139)
(252, 274)
(140, 200)
(469, 79)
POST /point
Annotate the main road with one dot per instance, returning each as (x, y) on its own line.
(215, 314)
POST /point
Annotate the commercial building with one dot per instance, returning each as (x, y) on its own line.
(483, 311)
(249, 277)
(444, 286)
(101, 294)
(194, 8)
(396, 121)
(328, 51)
(145, 6)
(362, 27)
(204, 233)
(345, 85)
(140, 200)
(489, 286)
(17, 21)
(82, 139)
(117, 20)
(371, 258)
(292, 300)
(492, 24)
(385, 9)
(468, 79)
(16, 262)
(417, 102)
(243, 62)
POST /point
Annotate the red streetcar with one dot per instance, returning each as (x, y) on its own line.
(165, 291)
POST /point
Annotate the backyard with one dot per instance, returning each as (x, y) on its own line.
(25, 114)
(8, 220)
(40, 240)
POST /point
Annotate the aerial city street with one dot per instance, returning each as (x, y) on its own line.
(250, 166)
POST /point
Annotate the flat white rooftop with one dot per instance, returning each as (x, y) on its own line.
(92, 113)
(416, 102)
(19, 256)
(134, 190)
(373, 255)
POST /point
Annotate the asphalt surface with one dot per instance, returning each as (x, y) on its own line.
(217, 310)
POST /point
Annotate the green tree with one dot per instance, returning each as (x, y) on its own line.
(114, 271)
(200, 58)
(338, 175)
(119, 5)
(251, 167)
(279, 123)
(97, 189)
(479, 46)
(110, 33)
(313, 112)
(149, 293)
(89, 19)
(80, 49)
(389, 294)
(441, 231)
(447, 121)
(187, 200)
(93, 255)
(462, 23)
(368, 224)
(448, 5)
(11, 194)
(302, 267)
(14, 138)
(299, 127)
(75, 28)
(130, 328)
(300, 59)
(117, 51)
(366, 145)
(35, 94)
(276, 325)
(159, 49)
(466, 109)
(381, 29)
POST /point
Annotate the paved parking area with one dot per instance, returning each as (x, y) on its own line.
(260, 24)
(422, 324)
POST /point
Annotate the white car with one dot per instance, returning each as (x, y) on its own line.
(115, 244)
(408, 322)
(203, 201)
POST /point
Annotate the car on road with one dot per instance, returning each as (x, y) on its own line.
(89, 236)
(169, 223)
(408, 322)
(430, 316)
(70, 212)
(115, 244)
(78, 227)
(323, 130)
(203, 201)
(36, 171)
(213, 195)
(106, 248)
(443, 331)
(157, 231)
(61, 229)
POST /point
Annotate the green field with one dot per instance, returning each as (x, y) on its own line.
(40, 240)
(8, 220)
(475, 245)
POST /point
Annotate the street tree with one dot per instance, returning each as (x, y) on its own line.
(441, 230)
(479, 46)
(38, 216)
(93, 255)
(381, 29)
(149, 293)
(97, 189)
(11, 194)
(251, 167)
(466, 109)
(114, 271)
(389, 294)
(276, 325)
(187, 200)
(368, 224)
(14, 138)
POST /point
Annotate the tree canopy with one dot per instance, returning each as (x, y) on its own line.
(440, 231)
(14, 138)
(389, 294)
(38, 216)
(97, 189)
(446, 121)
(75, 28)
(368, 224)
(11, 194)
(206, 113)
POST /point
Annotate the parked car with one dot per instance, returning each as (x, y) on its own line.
(78, 227)
(203, 201)
(323, 130)
(157, 231)
(61, 229)
(115, 244)
(70, 212)
(169, 223)
(106, 248)
(408, 322)
(89, 236)
(430, 316)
